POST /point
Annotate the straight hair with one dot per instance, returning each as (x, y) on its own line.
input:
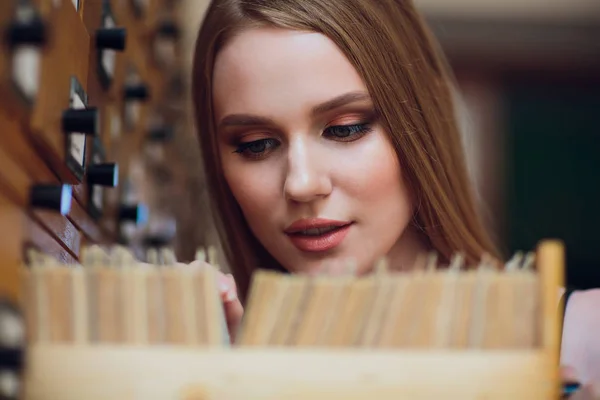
(411, 86)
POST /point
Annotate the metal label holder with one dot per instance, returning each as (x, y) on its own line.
(75, 143)
(96, 192)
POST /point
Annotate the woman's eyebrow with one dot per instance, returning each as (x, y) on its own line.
(249, 120)
(244, 120)
(340, 101)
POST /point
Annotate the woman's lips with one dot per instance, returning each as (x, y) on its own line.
(317, 235)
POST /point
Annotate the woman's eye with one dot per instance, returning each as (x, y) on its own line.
(256, 148)
(347, 133)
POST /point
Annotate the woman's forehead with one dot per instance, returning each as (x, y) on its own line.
(263, 69)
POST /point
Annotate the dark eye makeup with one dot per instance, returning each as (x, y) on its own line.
(348, 133)
(260, 148)
(257, 148)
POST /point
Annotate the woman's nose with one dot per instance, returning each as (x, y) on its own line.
(306, 179)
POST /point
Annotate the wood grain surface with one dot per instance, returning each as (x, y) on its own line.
(33, 144)
(66, 56)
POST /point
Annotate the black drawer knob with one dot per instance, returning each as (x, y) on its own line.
(27, 32)
(136, 92)
(160, 134)
(103, 174)
(51, 197)
(168, 29)
(83, 120)
(111, 38)
(135, 213)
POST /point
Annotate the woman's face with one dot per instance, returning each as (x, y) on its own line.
(303, 151)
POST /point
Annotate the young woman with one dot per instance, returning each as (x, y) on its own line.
(329, 133)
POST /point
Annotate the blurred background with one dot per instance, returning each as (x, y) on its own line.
(529, 72)
(529, 75)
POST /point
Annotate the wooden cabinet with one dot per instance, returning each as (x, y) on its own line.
(79, 80)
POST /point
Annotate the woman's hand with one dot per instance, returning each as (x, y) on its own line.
(581, 343)
(585, 392)
(580, 348)
(231, 303)
(233, 307)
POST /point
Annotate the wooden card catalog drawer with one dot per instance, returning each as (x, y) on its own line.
(61, 118)
(25, 231)
(21, 168)
(109, 38)
(81, 82)
(100, 175)
(25, 34)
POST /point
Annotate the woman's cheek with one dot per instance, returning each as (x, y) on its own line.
(254, 188)
(371, 169)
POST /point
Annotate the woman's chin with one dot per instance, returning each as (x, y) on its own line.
(332, 265)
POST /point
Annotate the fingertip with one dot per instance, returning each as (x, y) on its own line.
(230, 295)
(231, 280)
(224, 288)
(568, 373)
(234, 311)
(595, 390)
(198, 264)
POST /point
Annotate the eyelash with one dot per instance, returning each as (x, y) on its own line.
(353, 132)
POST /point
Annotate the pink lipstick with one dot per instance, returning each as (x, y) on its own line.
(317, 234)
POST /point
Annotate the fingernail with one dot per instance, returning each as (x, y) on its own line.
(230, 295)
(224, 283)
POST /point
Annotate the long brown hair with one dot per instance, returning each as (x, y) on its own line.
(407, 77)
